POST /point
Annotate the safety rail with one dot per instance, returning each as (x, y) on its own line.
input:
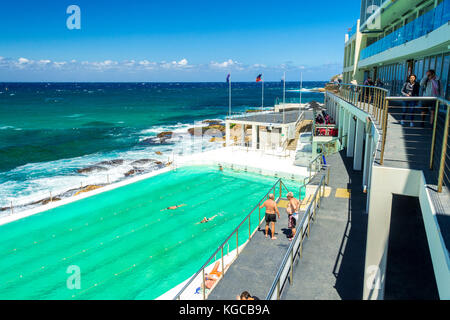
(439, 134)
(286, 269)
(238, 115)
(377, 102)
(279, 183)
(268, 150)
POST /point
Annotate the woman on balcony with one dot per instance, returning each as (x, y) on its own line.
(411, 88)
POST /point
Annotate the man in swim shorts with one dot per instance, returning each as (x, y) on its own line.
(271, 217)
(292, 211)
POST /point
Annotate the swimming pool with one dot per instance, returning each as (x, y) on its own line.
(124, 243)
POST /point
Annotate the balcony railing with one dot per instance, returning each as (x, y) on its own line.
(417, 28)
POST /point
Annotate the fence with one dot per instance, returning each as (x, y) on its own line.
(225, 245)
(294, 251)
(377, 102)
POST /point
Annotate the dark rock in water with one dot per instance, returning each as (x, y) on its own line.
(115, 162)
(213, 122)
(154, 141)
(133, 172)
(142, 161)
(91, 169)
(45, 201)
(202, 130)
(165, 135)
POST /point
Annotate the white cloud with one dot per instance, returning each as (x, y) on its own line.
(183, 62)
(226, 64)
(23, 60)
(145, 65)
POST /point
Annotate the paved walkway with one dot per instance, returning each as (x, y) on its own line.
(332, 264)
(257, 265)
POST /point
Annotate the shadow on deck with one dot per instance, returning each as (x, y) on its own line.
(332, 265)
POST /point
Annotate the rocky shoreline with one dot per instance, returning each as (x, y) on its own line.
(139, 166)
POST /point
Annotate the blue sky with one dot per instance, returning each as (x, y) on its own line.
(174, 40)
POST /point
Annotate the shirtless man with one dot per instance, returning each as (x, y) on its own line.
(292, 211)
(271, 208)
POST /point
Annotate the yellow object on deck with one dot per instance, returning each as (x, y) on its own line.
(343, 193)
(283, 203)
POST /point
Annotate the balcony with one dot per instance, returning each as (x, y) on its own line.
(417, 28)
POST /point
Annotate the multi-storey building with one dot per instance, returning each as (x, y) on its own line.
(393, 39)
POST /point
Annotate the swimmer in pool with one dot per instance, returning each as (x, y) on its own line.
(205, 219)
(173, 207)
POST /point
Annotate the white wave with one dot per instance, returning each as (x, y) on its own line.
(304, 90)
(61, 175)
(6, 127)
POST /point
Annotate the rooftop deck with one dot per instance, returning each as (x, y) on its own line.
(273, 117)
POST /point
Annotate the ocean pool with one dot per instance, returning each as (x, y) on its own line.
(123, 242)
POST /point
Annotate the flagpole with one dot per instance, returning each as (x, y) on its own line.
(229, 97)
(301, 88)
(284, 96)
(262, 93)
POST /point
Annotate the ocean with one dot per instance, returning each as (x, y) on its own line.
(49, 132)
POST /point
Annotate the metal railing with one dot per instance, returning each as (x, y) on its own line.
(294, 251)
(438, 134)
(243, 114)
(377, 102)
(233, 234)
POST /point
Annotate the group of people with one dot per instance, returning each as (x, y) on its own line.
(323, 118)
(272, 212)
(430, 86)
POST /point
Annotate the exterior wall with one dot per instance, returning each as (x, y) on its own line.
(384, 182)
(431, 44)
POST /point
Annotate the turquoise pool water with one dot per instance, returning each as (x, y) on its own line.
(125, 246)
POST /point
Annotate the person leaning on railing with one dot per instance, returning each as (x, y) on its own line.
(411, 88)
(431, 87)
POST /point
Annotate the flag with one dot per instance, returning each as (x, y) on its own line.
(228, 78)
(258, 78)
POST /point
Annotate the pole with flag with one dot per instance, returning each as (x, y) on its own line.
(260, 78)
(284, 96)
(301, 88)
(229, 94)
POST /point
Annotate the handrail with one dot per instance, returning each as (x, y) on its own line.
(220, 248)
(375, 102)
(310, 213)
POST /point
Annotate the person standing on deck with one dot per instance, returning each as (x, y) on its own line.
(292, 211)
(431, 87)
(271, 217)
(410, 89)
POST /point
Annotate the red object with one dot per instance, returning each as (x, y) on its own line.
(258, 78)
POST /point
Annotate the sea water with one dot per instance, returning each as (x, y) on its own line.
(50, 130)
